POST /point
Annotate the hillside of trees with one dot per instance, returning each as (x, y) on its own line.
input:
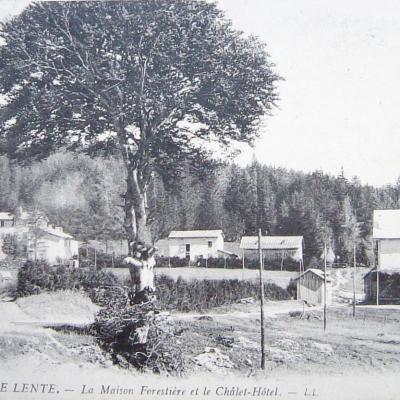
(84, 196)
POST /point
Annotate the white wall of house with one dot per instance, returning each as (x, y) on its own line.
(53, 248)
(6, 223)
(389, 253)
(199, 247)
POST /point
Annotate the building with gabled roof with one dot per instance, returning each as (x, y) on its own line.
(310, 287)
(193, 244)
(386, 274)
(199, 233)
(6, 220)
(41, 240)
(52, 244)
(386, 235)
(273, 248)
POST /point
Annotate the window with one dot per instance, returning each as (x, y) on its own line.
(1, 223)
(209, 244)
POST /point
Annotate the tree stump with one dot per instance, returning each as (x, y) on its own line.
(141, 268)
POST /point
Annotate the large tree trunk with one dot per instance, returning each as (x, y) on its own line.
(138, 232)
(136, 210)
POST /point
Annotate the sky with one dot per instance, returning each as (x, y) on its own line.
(339, 99)
(339, 102)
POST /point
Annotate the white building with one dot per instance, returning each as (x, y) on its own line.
(386, 234)
(5, 278)
(52, 244)
(195, 244)
(42, 241)
(7, 220)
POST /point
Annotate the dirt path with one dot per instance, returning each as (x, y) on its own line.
(272, 309)
(14, 322)
(294, 346)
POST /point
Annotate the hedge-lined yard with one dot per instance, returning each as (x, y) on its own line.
(172, 294)
(200, 295)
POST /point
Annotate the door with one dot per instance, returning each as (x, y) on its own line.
(188, 251)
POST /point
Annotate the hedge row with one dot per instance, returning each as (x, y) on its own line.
(229, 263)
(199, 295)
(180, 295)
(36, 277)
(87, 259)
(103, 260)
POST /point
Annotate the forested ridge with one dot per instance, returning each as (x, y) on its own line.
(84, 195)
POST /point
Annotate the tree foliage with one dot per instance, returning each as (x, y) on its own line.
(317, 206)
(151, 81)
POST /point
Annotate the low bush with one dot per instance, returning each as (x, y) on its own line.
(173, 262)
(229, 263)
(12, 246)
(199, 295)
(90, 258)
(292, 288)
(36, 277)
(220, 262)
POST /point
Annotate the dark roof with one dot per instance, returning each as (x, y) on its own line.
(316, 272)
(195, 234)
(385, 271)
(272, 242)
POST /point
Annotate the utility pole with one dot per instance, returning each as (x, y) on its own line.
(354, 278)
(377, 273)
(261, 301)
(325, 285)
(355, 236)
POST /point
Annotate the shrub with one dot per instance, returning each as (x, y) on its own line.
(199, 295)
(229, 263)
(11, 246)
(87, 259)
(173, 262)
(38, 276)
(292, 288)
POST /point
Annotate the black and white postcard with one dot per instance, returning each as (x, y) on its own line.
(199, 199)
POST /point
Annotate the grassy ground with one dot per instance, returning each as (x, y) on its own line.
(59, 307)
(223, 342)
(296, 344)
